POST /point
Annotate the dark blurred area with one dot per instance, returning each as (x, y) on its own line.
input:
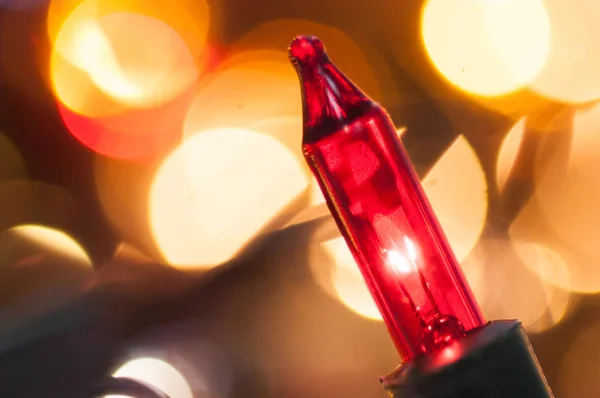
(159, 223)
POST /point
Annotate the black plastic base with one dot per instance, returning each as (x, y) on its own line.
(494, 361)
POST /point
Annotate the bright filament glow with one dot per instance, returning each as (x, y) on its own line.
(376, 198)
(398, 262)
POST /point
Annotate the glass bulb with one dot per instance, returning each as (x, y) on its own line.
(379, 205)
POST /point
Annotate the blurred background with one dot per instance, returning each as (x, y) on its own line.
(153, 147)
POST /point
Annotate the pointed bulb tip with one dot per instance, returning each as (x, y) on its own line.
(306, 50)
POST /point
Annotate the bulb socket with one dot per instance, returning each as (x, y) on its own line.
(493, 361)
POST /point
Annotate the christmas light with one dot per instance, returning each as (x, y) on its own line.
(376, 198)
(377, 201)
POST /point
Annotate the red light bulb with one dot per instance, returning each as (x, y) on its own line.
(379, 205)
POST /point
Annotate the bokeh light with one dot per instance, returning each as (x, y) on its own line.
(489, 48)
(217, 191)
(52, 240)
(119, 93)
(457, 189)
(157, 373)
(514, 266)
(186, 346)
(114, 52)
(571, 71)
(38, 257)
(189, 18)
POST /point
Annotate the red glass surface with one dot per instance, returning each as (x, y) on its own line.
(376, 198)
